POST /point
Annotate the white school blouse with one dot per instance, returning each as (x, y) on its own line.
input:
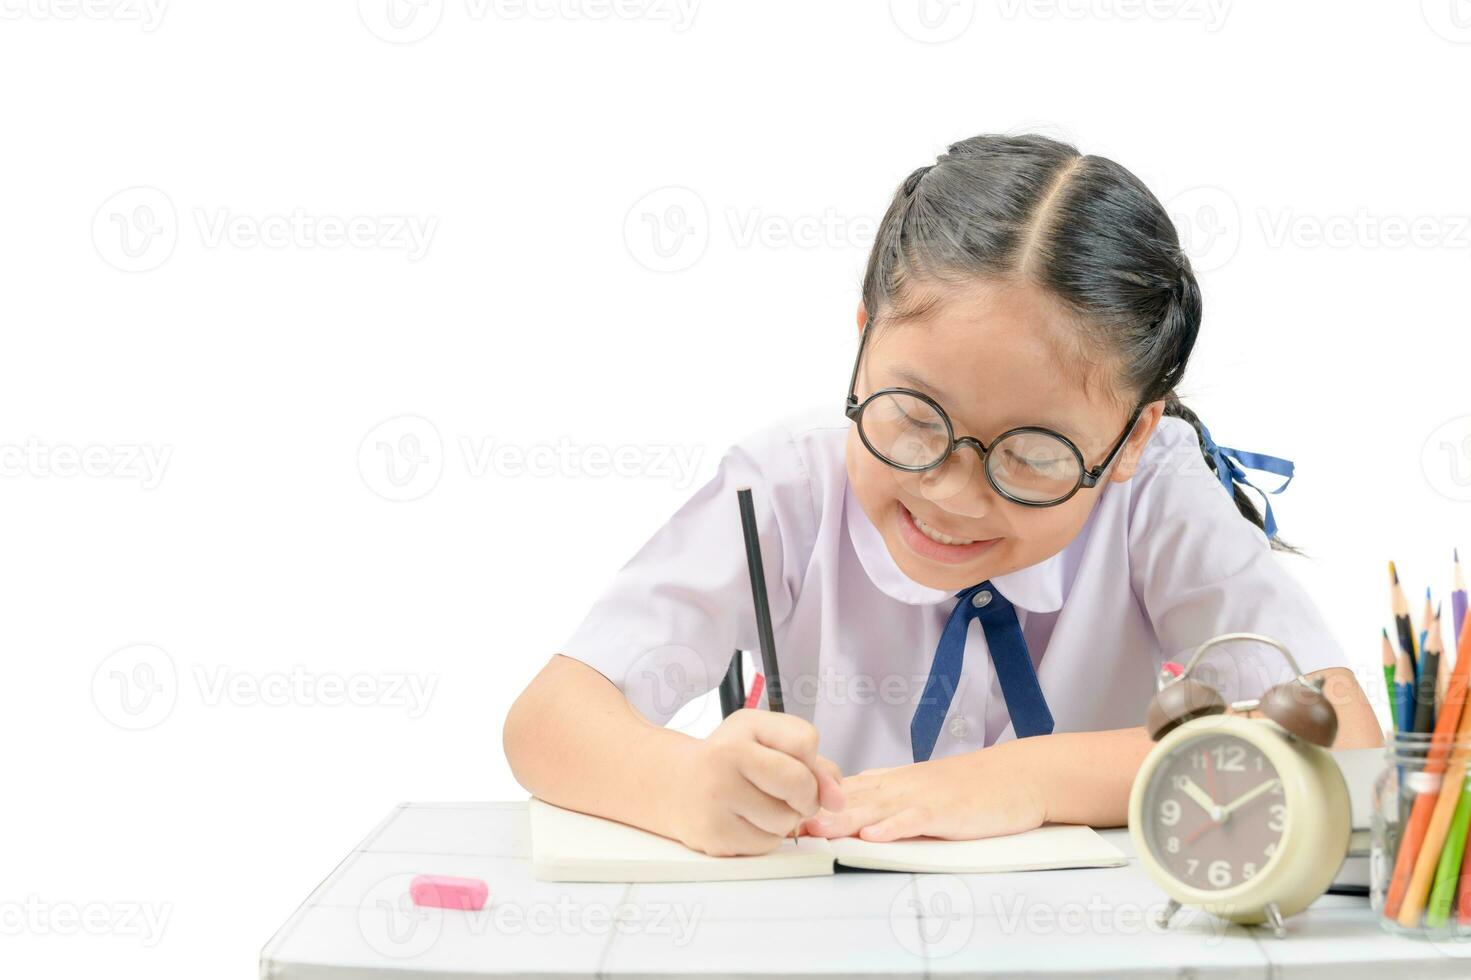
(1164, 562)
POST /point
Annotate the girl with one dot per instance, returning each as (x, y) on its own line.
(1012, 454)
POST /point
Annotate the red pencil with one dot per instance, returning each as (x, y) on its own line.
(757, 683)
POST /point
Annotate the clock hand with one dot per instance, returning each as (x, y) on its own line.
(1195, 834)
(1248, 796)
(1201, 797)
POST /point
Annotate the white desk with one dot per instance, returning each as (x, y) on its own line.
(1085, 923)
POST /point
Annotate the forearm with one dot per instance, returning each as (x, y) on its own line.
(1079, 777)
(1357, 726)
(573, 739)
(1085, 777)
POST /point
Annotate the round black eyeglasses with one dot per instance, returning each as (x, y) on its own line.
(1029, 465)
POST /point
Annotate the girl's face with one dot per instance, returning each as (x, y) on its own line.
(995, 355)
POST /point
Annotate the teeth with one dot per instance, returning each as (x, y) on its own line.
(934, 535)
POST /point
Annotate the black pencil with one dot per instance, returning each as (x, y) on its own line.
(758, 596)
(1425, 682)
(1401, 608)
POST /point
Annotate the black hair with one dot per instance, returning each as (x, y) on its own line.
(1082, 227)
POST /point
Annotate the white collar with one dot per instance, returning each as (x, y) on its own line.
(1037, 588)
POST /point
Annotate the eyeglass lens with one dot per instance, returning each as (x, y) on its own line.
(907, 431)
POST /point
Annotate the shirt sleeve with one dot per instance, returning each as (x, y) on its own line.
(1200, 569)
(665, 629)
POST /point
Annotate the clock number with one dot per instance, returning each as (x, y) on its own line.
(1191, 864)
(1173, 845)
(1247, 870)
(1230, 758)
(1279, 818)
(1219, 873)
(1269, 850)
(1169, 812)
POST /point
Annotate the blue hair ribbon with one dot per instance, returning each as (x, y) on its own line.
(1231, 466)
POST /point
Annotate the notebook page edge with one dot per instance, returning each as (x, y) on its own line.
(557, 855)
(1088, 850)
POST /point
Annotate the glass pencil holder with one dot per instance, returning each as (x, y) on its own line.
(1420, 864)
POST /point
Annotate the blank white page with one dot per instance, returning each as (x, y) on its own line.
(1056, 846)
(571, 846)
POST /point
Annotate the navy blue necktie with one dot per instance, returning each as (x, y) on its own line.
(1013, 665)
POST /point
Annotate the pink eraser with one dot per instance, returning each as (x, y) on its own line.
(448, 892)
(1172, 668)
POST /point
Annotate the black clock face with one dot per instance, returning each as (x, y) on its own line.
(1214, 812)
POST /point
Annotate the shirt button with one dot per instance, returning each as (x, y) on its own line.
(980, 599)
(958, 727)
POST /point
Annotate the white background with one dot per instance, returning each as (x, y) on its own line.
(178, 634)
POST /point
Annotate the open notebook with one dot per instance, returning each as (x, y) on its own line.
(571, 846)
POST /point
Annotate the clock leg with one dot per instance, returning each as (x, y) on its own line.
(1167, 913)
(1274, 919)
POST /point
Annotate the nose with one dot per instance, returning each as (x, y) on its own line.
(959, 485)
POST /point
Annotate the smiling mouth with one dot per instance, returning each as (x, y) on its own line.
(934, 534)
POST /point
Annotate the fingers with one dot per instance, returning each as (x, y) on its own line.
(787, 733)
(766, 814)
(738, 836)
(782, 778)
(909, 822)
(778, 777)
(843, 823)
(819, 825)
(867, 801)
(796, 738)
(830, 795)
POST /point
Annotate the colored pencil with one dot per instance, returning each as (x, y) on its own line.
(1425, 683)
(1458, 597)
(1426, 617)
(1463, 890)
(1446, 797)
(1443, 668)
(1407, 888)
(1404, 691)
(754, 697)
(1401, 607)
(1443, 892)
(1387, 655)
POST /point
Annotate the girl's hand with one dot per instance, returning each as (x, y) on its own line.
(751, 782)
(979, 794)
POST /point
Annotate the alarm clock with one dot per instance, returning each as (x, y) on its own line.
(1244, 815)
